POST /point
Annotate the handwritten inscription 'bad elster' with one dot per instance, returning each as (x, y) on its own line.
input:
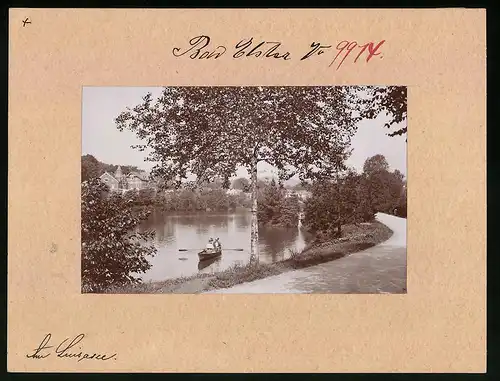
(201, 48)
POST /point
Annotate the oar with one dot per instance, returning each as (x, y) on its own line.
(204, 249)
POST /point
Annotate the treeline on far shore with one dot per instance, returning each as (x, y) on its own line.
(189, 200)
(276, 206)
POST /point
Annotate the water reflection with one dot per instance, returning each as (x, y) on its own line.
(242, 221)
(214, 264)
(180, 237)
(274, 242)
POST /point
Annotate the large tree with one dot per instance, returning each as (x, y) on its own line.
(375, 164)
(337, 202)
(269, 200)
(211, 131)
(384, 188)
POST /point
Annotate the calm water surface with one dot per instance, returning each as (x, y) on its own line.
(174, 232)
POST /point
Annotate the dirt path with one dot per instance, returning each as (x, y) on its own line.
(380, 269)
(192, 286)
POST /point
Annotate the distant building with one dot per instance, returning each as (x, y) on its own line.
(234, 192)
(119, 182)
(301, 194)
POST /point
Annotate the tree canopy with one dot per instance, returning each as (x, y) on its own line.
(375, 164)
(210, 131)
(241, 183)
(391, 100)
(385, 189)
(337, 202)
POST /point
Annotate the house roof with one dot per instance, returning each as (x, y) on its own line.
(140, 174)
(107, 174)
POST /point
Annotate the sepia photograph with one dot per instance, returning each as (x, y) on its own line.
(246, 190)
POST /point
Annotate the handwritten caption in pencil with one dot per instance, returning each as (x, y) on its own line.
(202, 48)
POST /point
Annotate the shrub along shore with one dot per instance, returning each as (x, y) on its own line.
(355, 238)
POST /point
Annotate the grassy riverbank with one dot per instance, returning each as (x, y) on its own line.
(355, 238)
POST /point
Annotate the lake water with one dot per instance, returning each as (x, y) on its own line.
(174, 232)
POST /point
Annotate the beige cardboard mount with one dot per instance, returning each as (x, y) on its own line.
(438, 326)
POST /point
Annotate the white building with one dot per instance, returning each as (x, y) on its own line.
(119, 182)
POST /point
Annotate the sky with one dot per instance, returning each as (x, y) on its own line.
(101, 138)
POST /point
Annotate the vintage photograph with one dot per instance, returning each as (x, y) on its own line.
(249, 189)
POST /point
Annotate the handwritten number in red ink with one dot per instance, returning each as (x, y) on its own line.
(373, 50)
(363, 48)
(346, 47)
(350, 48)
(340, 49)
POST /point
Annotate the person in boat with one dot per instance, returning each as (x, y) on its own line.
(210, 245)
(217, 244)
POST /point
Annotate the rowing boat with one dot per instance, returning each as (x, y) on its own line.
(209, 254)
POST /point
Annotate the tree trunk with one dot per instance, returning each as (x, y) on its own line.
(254, 235)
